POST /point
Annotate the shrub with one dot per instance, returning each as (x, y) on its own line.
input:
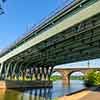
(92, 78)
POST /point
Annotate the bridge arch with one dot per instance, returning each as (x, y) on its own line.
(77, 71)
(63, 75)
(76, 74)
(54, 73)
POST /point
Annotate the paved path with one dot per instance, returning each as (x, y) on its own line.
(75, 96)
(84, 95)
(91, 96)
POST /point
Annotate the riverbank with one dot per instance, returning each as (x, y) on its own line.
(83, 95)
(76, 96)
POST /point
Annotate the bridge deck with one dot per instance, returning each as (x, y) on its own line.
(81, 15)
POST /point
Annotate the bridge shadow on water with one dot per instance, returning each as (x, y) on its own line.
(27, 94)
(37, 93)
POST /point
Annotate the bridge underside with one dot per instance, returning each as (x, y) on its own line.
(76, 42)
(80, 42)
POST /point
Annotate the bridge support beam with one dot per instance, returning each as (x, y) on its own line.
(13, 71)
(66, 79)
(43, 72)
(47, 72)
(1, 68)
(19, 70)
(7, 70)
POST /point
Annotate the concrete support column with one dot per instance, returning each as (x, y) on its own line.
(65, 77)
(66, 80)
(38, 73)
(20, 70)
(24, 73)
(17, 72)
(1, 68)
(47, 74)
(50, 70)
(10, 71)
(41, 76)
(13, 71)
(44, 71)
(7, 70)
(31, 73)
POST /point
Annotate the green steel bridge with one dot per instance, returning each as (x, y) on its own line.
(71, 34)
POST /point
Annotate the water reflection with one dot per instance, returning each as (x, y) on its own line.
(32, 94)
(39, 94)
(65, 84)
(59, 89)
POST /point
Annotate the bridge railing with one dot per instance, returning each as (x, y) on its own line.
(50, 17)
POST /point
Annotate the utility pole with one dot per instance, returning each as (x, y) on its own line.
(88, 64)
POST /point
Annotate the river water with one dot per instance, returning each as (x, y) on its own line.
(59, 89)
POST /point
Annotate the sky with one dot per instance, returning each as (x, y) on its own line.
(21, 15)
(92, 64)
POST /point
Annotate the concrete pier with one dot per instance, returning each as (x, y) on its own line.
(24, 84)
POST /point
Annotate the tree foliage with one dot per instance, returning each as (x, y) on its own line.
(93, 78)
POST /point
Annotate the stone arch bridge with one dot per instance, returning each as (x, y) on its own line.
(66, 72)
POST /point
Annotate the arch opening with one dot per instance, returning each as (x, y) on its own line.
(76, 77)
(76, 74)
(56, 76)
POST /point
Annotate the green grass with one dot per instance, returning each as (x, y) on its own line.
(54, 78)
(76, 77)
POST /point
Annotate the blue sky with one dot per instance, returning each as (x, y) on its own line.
(21, 15)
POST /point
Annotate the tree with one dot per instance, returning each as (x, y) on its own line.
(92, 78)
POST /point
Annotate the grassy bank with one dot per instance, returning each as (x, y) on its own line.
(55, 78)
